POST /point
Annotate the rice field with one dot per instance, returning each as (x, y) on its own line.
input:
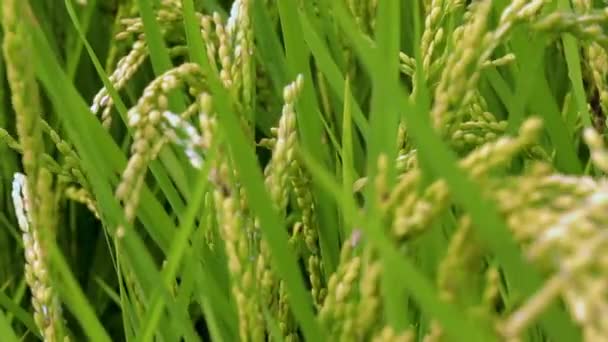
(303, 170)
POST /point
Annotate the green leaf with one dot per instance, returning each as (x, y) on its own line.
(74, 298)
(271, 223)
(6, 331)
(402, 270)
(23, 316)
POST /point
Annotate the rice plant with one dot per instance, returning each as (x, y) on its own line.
(292, 170)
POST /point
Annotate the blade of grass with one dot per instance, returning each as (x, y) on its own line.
(347, 155)
(273, 327)
(13, 231)
(573, 60)
(403, 272)
(128, 316)
(158, 172)
(18, 295)
(489, 226)
(108, 291)
(80, 128)
(101, 156)
(331, 71)
(6, 331)
(384, 122)
(363, 46)
(178, 246)
(384, 117)
(45, 23)
(529, 60)
(75, 299)
(324, 23)
(8, 159)
(530, 55)
(214, 302)
(433, 154)
(270, 53)
(22, 316)
(270, 222)
(561, 137)
(502, 89)
(73, 58)
(211, 299)
(161, 62)
(310, 128)
(159, 54)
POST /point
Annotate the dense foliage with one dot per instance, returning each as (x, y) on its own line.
(348, 170)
